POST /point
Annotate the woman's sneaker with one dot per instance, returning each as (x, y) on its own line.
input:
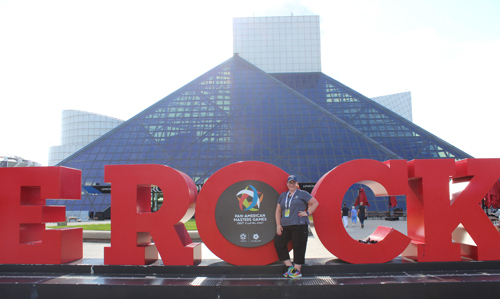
(288, 270)
(294, 273)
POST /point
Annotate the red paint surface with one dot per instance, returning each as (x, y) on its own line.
(207, 201)
(432, 217)
(389, 178)
(23, 214)
(134, 224)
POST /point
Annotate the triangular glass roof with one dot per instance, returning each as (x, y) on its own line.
(376, 121)
(236, 112)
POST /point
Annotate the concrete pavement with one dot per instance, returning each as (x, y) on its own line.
(315, 249)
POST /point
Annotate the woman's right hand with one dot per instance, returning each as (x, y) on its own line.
(279, 230)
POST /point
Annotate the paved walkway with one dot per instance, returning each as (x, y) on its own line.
(314, 247)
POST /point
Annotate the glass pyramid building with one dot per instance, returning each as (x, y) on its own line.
(304, 123)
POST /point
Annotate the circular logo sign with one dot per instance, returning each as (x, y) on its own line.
(245, 213)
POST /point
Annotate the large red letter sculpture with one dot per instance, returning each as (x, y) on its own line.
(206, 206)
(23, 215)
(384, 179)
(432, 217)
(134, 224)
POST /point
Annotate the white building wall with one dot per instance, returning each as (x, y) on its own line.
(78, 129)
(279, 44)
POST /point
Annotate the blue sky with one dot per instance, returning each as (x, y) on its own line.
(119, 57)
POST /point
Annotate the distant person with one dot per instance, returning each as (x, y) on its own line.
(361, 214)
(345, 215)
(292, 220)
(354, 216)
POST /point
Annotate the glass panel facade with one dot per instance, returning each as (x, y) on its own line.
(236, 112)
(376, 121)
(399, 103)
(279, 44)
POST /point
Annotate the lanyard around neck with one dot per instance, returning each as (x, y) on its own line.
(289, 201)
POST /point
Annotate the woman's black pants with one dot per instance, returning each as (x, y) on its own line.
(298, 234)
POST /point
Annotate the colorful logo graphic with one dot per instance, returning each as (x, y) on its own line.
(249, 198)
(250, 222)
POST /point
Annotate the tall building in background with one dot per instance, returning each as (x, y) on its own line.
(300, 120)
(78, 129)
(293, 45)
(279, 44)
(304, 123)
(274, 44)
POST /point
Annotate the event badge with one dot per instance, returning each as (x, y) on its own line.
(287, 213)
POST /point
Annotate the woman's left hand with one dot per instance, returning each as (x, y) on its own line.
(303, 214)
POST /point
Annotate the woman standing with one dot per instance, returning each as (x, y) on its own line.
(292, 221)
(361, 214)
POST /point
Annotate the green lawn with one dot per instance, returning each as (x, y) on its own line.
(190, 225)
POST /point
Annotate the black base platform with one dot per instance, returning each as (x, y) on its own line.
(323, 278)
